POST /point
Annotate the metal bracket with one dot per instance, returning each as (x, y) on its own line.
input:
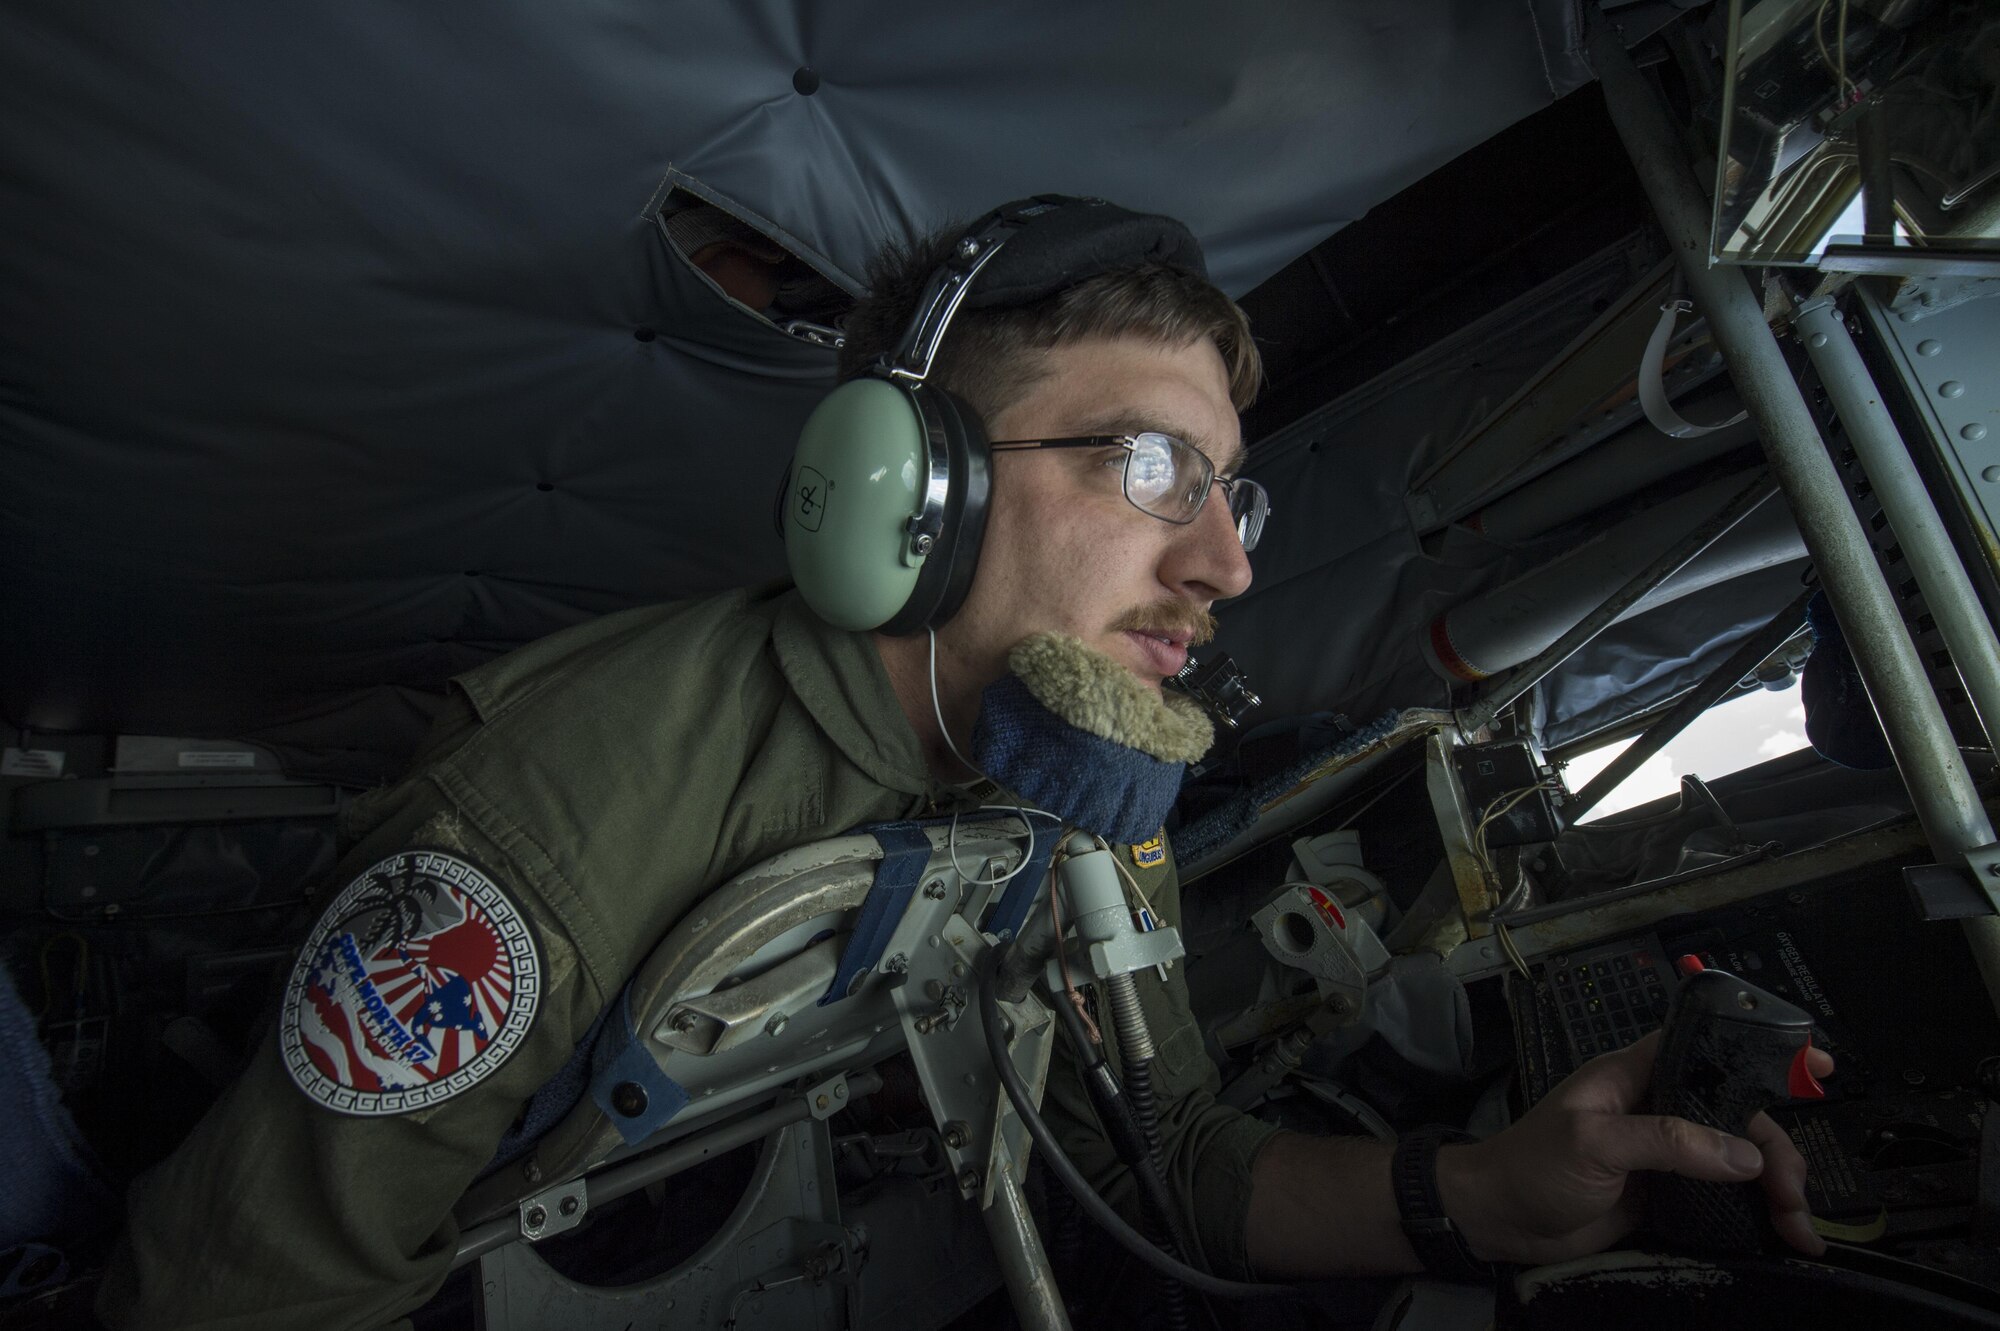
(1944, 892)
(1918, 298)
(1455, 827)
(829, 1097)
(554, 1210)
(1303, 927)
(729, 1017)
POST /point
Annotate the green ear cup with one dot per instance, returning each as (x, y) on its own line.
(857, 479)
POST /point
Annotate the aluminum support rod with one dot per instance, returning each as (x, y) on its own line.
(1537, 667)
(1024, 1264)
(1693, 703)
(1947, 589)
(1926, 754)
(631, 1175)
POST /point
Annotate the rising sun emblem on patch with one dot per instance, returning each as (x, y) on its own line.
(420, 979)
(1151, 853)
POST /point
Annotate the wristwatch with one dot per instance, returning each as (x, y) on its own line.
(1413, 1176)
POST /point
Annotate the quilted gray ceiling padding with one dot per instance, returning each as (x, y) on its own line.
(339, 348)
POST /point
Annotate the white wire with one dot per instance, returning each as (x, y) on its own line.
(938, 711)
(951, 842)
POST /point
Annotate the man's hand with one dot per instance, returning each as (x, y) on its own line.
(1560, 1183)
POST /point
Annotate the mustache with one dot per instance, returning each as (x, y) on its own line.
(1175, 618)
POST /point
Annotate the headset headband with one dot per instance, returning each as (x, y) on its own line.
(910, 360)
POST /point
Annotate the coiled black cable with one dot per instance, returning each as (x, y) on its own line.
(1167, 1228)
(1131, 1120)
(993, 1026)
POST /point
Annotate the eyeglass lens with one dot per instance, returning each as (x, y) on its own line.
(1171, 479)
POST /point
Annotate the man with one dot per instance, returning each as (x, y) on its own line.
(577, 796)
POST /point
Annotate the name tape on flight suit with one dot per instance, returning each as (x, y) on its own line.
(419, 980)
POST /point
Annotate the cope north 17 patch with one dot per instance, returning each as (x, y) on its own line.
(1150, 853)
(419, 980)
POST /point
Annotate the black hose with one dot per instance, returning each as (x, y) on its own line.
(1131, 1120)
(1166, 1225)
(1127, 1131)
(1079, 1187)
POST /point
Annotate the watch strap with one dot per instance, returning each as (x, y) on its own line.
(1413, 1176)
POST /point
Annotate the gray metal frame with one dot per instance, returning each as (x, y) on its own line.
(1939, 569)
(728, 1005)
(782, 1259)
(1926, 753)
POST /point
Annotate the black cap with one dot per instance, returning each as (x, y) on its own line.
(1073, 240)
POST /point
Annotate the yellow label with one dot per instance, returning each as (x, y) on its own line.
(1150, 853)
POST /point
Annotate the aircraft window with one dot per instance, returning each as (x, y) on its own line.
(1734, 734)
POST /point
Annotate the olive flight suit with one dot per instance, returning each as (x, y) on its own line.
(603, 779)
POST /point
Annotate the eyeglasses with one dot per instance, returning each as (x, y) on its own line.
(1169, 479)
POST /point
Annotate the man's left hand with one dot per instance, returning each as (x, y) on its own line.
(1566, 1180)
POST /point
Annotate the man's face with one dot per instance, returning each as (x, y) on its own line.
(1066, 552)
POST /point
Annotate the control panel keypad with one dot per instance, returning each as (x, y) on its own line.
(1610, 996)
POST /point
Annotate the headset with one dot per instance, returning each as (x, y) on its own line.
(884, 505)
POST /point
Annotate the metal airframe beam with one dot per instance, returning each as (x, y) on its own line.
(1948, 593)
(1925, 751)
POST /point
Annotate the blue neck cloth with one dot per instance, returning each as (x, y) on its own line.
(1113, 790)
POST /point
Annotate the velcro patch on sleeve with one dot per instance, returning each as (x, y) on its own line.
(1151, 853)
(420, 980)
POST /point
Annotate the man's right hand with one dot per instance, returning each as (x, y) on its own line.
(1566, 1180)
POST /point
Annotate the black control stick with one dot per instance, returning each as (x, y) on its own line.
(1728, 1051)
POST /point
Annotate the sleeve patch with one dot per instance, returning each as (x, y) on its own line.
(1150, 853)
(420, 980)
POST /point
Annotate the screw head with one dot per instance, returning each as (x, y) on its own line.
(1994, 870)
(955, 1135)
(537, 1217)
(569, 1205)
(821, 1101)
(968, 248)
(685, 1021)
(629, 1098)
(968, 1179)
(776, 1023)
(922, 545)
(840, 1091)
(934, 889)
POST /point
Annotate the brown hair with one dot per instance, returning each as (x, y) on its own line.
(991, 357)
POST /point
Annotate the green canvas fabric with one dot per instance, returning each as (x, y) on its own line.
(606, 778)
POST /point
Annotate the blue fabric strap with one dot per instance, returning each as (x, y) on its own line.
(905, 852)
(552, 1100)
(621, 1059)
(1006, 918)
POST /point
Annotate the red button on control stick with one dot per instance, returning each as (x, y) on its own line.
(1801, 1082)
(1689, 965)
